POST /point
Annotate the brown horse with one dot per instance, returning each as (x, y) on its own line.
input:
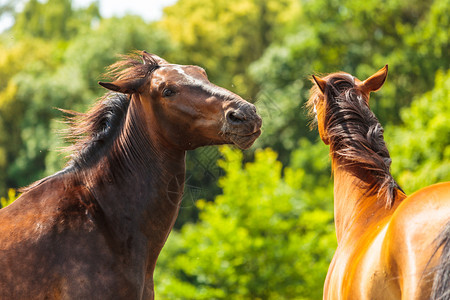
(95, 229)
(390, 246)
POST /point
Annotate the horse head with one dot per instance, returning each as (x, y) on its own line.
(182, 108)
(328, 89)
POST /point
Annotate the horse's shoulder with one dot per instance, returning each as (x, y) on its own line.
(48, 208)
(54, 194)
(414, 226)
(431, 203)
(439, 192)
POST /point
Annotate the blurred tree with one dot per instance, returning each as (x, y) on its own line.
(33, 57)
(419, 53)
(43, 74)
(54, 19)
(7, 7)
(225, 36)
(269, 234)
(358, 38)
(260, 239)
(420, 147)
(91, 52)
(5, 201)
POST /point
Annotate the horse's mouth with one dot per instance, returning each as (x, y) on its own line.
(244, 141)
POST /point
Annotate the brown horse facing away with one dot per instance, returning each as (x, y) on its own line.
(390, 246)
(95, 229)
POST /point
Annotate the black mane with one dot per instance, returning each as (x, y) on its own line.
(98, 128)
(356, 135)
(95, 131)
(94, 134)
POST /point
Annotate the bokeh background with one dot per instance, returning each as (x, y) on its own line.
(256, 224)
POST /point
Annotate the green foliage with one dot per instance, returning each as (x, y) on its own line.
(225, 36)
(12, 195)
(88, 54)
(54, 19)
(41, 75)
(423, 52)
(263, 238)
(359, 38)
(265, 231)
(420, 147)
(17, 66)
(7, 7)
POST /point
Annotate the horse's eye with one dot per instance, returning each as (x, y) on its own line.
(168, 92)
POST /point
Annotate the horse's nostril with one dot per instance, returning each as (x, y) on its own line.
(235, 117)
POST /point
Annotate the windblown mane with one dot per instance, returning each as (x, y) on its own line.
(94, 133)
(90, 132)
(356, 135)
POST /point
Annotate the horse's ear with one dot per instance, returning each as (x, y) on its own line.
(127, 86)
(320, 83)
(376, 81)
(153, 59)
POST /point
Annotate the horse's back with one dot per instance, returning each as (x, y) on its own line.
(396, 262)
(50, 238)
(43, 212)
(411, 238)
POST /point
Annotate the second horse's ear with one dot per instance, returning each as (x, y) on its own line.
(320, 83)
(376, 81)
(127, 86)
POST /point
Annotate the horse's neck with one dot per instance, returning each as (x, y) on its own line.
(355, 210)
(142, 204)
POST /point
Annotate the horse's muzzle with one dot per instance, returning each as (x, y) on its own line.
(243, 125)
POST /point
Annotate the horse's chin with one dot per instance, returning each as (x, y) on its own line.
(245, 141)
